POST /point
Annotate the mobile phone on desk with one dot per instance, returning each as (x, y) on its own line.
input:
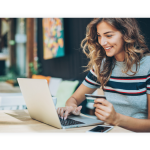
(90, 97)
(100, 129)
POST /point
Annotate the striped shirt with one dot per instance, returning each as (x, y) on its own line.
(128, 94)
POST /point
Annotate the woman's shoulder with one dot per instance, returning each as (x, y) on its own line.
(145, 64)
(146, 58)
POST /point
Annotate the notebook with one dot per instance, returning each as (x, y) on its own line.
(40, 106)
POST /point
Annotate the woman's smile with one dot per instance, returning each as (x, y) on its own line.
(107, 49)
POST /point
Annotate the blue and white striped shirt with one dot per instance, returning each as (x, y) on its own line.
(128, 94)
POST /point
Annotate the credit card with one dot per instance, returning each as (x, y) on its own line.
(90, 97)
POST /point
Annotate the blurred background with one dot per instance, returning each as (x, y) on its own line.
(49, 47)
(21, 43)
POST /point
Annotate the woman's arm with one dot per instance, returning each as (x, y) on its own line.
(106, 112)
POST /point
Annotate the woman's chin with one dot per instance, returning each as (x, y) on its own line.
(109, 55)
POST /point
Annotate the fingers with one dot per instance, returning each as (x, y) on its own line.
(102, 101)
(77, 110)
(66, 114)
(63, 112)
(60, 111)
(104, 111)
(100, 117)
(105, 105)
(101, 112)
(102, 107)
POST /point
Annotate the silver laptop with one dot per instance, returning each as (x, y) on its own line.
(41, 107)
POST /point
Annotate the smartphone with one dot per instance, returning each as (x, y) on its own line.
(100, 129)
(90, 97)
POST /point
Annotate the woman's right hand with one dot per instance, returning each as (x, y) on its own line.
(63, 112)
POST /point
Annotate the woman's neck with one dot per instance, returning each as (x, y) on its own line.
(120, 56)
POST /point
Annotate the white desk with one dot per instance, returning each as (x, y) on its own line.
(18, 121)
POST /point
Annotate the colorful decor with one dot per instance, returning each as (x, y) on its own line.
(53, 38)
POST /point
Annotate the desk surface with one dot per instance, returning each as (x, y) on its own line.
(15, 121)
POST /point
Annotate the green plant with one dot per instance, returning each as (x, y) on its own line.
(33, 70)
(10, 75)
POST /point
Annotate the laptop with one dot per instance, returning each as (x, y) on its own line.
(40, 106)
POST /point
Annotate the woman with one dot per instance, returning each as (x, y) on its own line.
(119, 62)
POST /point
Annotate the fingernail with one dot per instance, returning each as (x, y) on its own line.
(61, 117)
(65, 118)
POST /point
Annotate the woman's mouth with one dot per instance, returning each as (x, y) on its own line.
(108, 48)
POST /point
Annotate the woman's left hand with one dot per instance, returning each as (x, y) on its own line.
(105, 111)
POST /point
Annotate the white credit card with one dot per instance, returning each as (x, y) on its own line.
(90, 97)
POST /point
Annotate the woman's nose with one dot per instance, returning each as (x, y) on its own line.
(103, 41)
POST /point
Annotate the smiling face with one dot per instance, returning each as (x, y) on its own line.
(111, 40)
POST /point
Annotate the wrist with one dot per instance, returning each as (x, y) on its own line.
(117, 119)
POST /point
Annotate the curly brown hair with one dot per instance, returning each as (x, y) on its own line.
(134, 46)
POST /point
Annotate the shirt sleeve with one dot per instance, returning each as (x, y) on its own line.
(91, 80)
(148, 83)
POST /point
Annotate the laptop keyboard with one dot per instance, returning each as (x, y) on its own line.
(68, 122)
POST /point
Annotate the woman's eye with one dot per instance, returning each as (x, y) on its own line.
(109, 35)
